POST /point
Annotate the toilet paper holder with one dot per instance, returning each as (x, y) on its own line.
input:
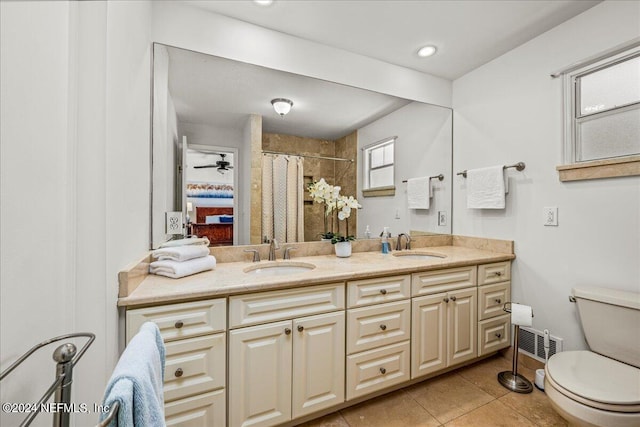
(512, 379)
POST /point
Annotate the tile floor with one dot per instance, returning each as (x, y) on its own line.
(469, 396)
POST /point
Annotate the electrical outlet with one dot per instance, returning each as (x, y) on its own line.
(550, 215)
(442, 218)
(397, 213)
(173, 223)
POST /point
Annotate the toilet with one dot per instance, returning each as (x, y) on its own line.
(600, 387)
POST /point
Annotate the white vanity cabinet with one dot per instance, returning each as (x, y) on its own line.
(494, 324)
(288, 368)
(378, 334)
(444, 323)
(195, 367)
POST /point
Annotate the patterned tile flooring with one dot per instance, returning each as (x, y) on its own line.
(469, 396)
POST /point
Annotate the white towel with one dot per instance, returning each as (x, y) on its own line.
(419, 192)
(176, 269)
(486, 188)
(181, 253)
(185, 242)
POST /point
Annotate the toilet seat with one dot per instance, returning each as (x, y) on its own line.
(595, 380)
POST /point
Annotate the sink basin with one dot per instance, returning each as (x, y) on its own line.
(418, 255)
(276, 268)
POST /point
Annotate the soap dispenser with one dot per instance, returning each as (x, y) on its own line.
(386, 246)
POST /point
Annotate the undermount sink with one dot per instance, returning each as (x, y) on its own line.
(419, 255)
(279, 268)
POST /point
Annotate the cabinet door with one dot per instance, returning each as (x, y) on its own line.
(318, 365)
(260, 375)
(202, 410)
(428, 334)
(462, 325)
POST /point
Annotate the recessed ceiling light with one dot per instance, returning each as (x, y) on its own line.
(427, 51)
(263, 2)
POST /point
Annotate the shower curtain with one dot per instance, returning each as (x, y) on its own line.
(282, 198)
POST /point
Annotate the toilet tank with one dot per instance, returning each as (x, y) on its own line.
(611, 322)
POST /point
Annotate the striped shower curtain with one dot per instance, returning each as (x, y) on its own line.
(282, 198)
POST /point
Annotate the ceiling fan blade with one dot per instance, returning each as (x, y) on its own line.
(205, 166)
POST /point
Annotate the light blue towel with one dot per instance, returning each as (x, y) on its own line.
(136, 382)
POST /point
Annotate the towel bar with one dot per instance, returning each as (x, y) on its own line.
(440, 178)
(113, 411)
(518, 166)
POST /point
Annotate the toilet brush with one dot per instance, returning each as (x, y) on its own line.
(539, 382)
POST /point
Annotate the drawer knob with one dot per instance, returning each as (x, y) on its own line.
(498, 273)
(287, 331)
(445, 299)
(383, 291)
(498, 335)
(498, 300)
(383, 371)
(383, 327)
(453, 298)
(178, 372)
(300, 328)
(179, 324)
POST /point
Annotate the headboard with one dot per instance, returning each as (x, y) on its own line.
(203, 211)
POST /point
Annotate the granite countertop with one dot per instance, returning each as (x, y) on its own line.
(229, 278)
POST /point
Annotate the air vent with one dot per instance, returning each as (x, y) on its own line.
(531, 343)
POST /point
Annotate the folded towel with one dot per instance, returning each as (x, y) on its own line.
(419, 192)
(183, 242)
(486, 188)
(177, 269)
(136, 382)
(181, 253)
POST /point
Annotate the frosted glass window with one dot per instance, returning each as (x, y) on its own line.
(379, 168)
(603, 109)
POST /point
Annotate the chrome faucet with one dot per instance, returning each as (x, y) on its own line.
(399, 242)
(287, 252)
(273, 245)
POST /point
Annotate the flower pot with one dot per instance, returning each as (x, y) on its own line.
(343, 249)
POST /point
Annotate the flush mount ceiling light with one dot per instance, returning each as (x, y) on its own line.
(263, 2)
(282, 106)
(425, 51)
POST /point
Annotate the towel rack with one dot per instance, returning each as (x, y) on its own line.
(440, 178)
(113, 411)
(518, 166)
(66, 356)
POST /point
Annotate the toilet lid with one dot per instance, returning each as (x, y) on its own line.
(595, 377)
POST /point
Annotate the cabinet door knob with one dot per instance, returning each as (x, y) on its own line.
(383, 291)
(287, 331)
(498, 300)
(179, 324)
(383, 327)
(383, 371)
(445, 299)
(178, 373)
(498, 335)
(300, 328)
(453, 298)
(498, 273)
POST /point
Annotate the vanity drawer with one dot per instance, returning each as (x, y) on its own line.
(178, 321)
(494, 273)
(493, 334)
(377, 369)
(194, 366)
(379, 325)
(264, 307)
(491, 299)
(208, 409)
(373, 291)
(433, 282)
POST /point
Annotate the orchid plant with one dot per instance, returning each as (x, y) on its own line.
(323, 192)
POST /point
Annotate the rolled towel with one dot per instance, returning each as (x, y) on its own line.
(181, 253)
(177, 269)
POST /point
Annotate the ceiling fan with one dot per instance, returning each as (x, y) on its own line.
(222, 165)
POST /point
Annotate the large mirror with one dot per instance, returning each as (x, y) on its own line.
(228, 166)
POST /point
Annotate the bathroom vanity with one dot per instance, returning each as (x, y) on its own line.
(249, 348)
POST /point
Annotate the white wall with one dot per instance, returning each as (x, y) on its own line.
(423, 148)
(75, 103)
(510, 110)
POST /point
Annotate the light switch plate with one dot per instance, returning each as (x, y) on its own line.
(550, 215)
(173, 223)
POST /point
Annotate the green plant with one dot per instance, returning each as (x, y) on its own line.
(337, 238)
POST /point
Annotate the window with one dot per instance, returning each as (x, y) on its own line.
(378, 168)
(602, 113)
